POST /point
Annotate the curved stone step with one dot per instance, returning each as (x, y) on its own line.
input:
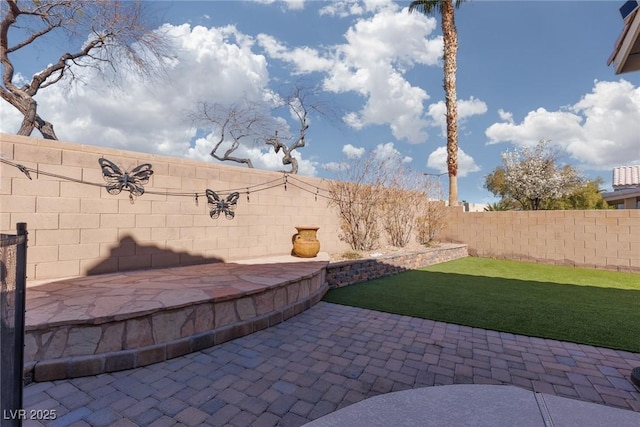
(105, 323)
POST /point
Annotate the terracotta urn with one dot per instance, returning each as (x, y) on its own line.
(305, 242)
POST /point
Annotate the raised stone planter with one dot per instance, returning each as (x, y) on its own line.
(346, 273)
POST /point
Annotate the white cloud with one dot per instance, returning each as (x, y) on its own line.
(342, 8)
(221, 65)
(291, 4)
(372, 63)
(466, 108)
(353, 152)
(353, 120)
(600, 131)
(152, 117)
(305, 59)
(202, 148)
(382, 152)
(10, 118)
(335, 166)
(505, 116)
(271, 161)
(438, 160)
(295, 4)
(346, 8)
(388, 151)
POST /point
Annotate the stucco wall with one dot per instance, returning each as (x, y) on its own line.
(78, 229)
(607, 239)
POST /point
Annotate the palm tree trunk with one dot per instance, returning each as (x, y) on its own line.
(450, 36)
(453, 189)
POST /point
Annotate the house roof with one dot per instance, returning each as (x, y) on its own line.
(618, 197)
(626, 53)
(626, 177)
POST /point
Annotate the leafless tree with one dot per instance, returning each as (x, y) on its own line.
(251, 122)
(296, 104)
(300, 102)
(235, 123)
(357, 194)
(403, 195)
(374, 194)
(113, 34)
(433, 213)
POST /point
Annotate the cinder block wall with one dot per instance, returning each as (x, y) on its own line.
(606, 239)
(78, 229)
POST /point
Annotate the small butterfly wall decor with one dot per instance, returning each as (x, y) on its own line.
(218, 205)
(118, 180)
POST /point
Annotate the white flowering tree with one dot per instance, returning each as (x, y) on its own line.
(533, 177)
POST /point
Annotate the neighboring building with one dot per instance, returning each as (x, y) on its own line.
(626, 53)
(474, 207)
(626, 58)
(626, 188)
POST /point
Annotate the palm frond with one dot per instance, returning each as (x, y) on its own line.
(428, 7)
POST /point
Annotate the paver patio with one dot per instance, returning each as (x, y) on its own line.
(326, 358)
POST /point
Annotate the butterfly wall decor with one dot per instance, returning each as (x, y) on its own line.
(118, 180)
(218, 205)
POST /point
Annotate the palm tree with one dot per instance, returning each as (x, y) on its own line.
(501, 205)
(450, 35)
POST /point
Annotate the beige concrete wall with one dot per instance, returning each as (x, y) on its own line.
(608, 239)
(78, 229)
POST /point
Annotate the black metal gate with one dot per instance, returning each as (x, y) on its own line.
(13, 278)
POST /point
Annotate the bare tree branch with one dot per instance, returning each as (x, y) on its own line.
(251, 123)
(235, 124)
(300, 101)
(113, 33)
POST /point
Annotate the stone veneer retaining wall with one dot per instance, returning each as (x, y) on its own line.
(72, 349)
(349, 272)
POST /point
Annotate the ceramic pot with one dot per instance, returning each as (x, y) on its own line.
(305, 242)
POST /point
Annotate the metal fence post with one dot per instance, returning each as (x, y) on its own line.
(13, 281)
(21, 293)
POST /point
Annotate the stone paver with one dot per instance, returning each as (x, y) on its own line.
(329, 357)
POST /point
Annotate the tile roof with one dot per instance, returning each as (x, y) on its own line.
(626, 177)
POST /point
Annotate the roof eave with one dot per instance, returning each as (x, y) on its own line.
(626, 54)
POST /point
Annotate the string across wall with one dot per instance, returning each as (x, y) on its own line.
(220, 202)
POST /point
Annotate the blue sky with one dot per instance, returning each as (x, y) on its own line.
(527, 70)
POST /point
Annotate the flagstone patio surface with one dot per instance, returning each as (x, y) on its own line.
(89, 325)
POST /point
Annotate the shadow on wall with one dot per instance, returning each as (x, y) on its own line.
(131, 255)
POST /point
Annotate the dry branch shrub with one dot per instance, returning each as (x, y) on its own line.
(357, 196)
(433, 214)
(375, 196)
(398, 214)
(399, 208)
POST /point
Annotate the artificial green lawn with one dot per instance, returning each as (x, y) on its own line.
(594, 307)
